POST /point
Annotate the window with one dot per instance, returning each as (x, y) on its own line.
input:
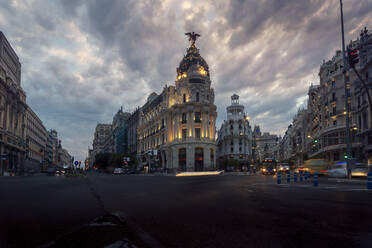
(333, 96)
(197, 133)
(360, 122)
(197, 117)
(232, 149)
(197, 96)
(184, 133)
(365, 125)
(240, 149)
(184, 118)
(336, 156)
(162, 123)
(184, 97)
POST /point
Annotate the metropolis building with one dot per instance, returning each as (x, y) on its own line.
(176, 129)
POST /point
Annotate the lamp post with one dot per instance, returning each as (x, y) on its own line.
(348, 145)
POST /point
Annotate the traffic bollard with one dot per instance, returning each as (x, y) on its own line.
(316, 179)
(369, 180)
(295, 177)
(279, 178)
(288, 176)
(301, 176)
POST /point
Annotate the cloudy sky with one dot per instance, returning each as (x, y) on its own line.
(83, 59)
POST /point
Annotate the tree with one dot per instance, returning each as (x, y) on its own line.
(102, 160)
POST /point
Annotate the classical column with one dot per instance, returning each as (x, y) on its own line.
(192, 125)
(209, 135)
(177, 120)
(189, 121)
(203, 129)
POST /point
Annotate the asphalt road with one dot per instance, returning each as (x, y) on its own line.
(212, 211)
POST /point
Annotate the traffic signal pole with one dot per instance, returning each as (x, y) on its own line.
(348, 145)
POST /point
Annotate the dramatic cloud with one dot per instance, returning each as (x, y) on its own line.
(82, 60)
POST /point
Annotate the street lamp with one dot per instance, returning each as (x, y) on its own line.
(348, 146)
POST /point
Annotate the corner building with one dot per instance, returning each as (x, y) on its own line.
(176, 129)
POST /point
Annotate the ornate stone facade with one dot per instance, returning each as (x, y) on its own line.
(235, 135)
(176, 129)
(12, 111)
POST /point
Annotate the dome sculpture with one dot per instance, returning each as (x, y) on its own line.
(191, 58)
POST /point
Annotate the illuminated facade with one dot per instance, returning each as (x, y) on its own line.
(176, 129)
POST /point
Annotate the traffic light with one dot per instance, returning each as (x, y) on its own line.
(315, 141)
(345, 156)
(353, 57)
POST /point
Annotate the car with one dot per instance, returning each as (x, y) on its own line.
(283, 168)
(359, 171)
(118, 171)
(337, 172)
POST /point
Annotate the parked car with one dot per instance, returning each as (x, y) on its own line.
(118, 171)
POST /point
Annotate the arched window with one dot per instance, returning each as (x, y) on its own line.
(197, 96)
(184, 97)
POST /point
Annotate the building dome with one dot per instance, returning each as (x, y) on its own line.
(193, 58)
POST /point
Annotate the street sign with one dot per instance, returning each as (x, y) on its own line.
(76, 163)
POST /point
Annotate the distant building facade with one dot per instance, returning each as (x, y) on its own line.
(235, 135)
(36, 142)
(133, 122)
(101, 140)
(120, 131)
(264, 144)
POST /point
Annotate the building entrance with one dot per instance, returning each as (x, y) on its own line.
(199, 159)
(182, 159)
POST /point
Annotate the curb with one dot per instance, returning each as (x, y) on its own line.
(347, 181)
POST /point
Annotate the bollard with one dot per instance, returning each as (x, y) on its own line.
(279, 178)
(288, 176)
(316, 179)
(369, 180)
(295, 177)
(301, 176)
(307, 175)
